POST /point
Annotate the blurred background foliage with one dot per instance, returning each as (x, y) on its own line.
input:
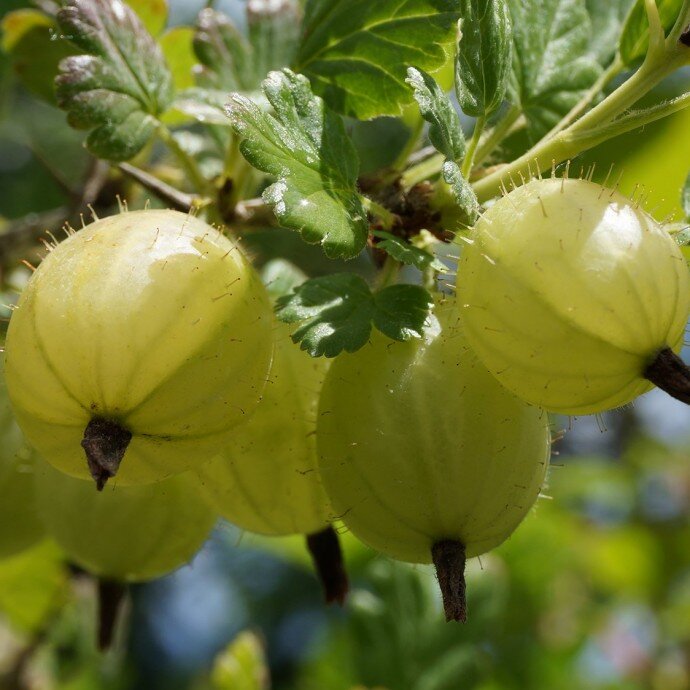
(592, 592)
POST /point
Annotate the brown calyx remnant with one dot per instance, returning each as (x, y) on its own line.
(104, 443)
(671, 374)
(685, 37)
(110, 597)
(324, 547)
(449, 559)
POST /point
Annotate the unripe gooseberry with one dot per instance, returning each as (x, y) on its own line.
(575, 298)
(425, 457)
(146, 332)
(267, 480)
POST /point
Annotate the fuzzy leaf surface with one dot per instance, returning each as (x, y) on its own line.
(462, 190)
(607, 23)
(304, 146)
(552, 66)
(120, 84)
(484, 58)
(445, 131)
(356, 52)
(337, 312)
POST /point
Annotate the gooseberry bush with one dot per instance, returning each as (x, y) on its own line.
(181, 353)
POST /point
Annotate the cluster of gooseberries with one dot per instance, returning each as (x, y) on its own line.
(143, 357)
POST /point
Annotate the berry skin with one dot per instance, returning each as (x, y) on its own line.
(267, 480)
(573, 297)
(145, 335)
(424, 455)
(128, 533)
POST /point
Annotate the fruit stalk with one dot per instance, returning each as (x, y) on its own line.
(324, 547)
(449, 559)
(671, 374)
(110, 598)
(104, 443)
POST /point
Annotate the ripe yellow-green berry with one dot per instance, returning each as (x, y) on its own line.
(267, 480)
(575, 298)
(144, 338)
(425, 457)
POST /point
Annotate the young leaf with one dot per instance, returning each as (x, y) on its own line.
(224, 53)
(274, 28)
(306, 148)
(634, 40)
(355, 52)
(462, 191)
(242, 666)
(551, 65)
(204, 105)
(445, 131)
(406, 253)
(120, 86)
(484, 56)
(338, 310)
(153, 14)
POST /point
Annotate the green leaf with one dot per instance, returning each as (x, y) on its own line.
(306, 148)
(607, 23)
(153, 14)
(552, 68)
(356, 52)
(484, 56)
(338, 311)
(634, 40)
(685, 199)
(406, 253)
(445, 131)
(32, 41)
(242, 666)
(120, 86)
(402, 311)
(462, 191)
(224, 53)
(274, 30)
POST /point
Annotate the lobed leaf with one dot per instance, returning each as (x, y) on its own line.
(338, 310)
(445, 131)
(634, 41)
(484, 58)
(120, 85)
(407, 253)
(355, 52)
(306, 148)
(552, 66)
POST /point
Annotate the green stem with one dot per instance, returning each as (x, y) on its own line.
(410, 146)
(381, 212)
(591, 129)
(497, 134)
(199, 182)
(468, 162)
(425, 170)
(388, 274)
